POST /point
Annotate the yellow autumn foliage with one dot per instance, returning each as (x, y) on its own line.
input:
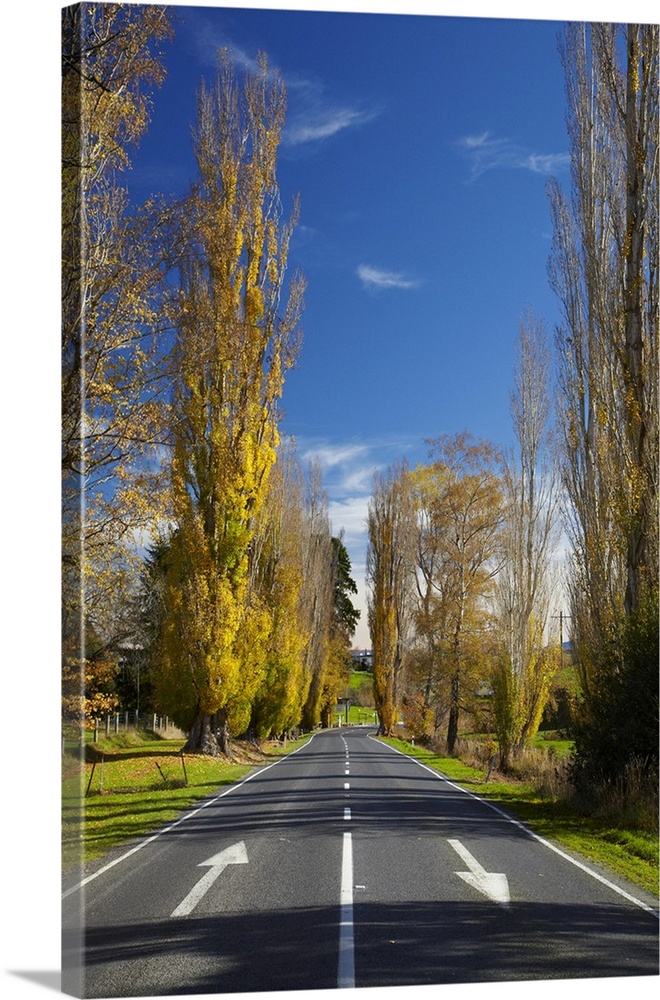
(114, 310)
(220, 626)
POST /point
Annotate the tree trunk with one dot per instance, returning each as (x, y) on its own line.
(209, 734)
(223, 736)
(452, 729)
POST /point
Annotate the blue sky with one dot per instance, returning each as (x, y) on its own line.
(421, 147)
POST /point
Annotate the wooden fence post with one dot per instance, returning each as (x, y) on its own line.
(89, 783)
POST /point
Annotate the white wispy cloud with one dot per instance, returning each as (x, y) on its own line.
(322, 123)
(209, 38)
(332, 455)
(547, 163)
(487, 152)
(474, 141)
(374, 277)
(315, 116)
(348, 468)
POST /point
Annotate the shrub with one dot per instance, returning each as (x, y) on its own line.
(616, 734)
(630, 797)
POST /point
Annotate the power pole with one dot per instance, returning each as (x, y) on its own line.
(561, 616)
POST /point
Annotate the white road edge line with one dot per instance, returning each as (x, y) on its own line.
(346, 967)
(530, 833)
(182, 819)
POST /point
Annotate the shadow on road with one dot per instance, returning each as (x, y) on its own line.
(416, 943)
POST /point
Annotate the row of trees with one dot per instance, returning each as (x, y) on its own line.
(460, 560)
(278, 658)
(604, 270)
(460, 573)
(179, 326)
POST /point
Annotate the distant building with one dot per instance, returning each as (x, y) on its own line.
(363, 659)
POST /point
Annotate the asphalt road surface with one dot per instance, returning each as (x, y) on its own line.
(346, 864)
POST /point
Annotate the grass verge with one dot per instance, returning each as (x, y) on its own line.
(632, 854)
(127, 786)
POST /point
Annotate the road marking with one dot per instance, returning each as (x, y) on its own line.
(347, 813)
(347, 785)
(530, 833)
(493, 885)
(346, 967)
(234, 855)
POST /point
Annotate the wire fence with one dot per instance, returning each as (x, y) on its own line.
(119, 722)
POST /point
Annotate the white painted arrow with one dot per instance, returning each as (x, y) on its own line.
(495, 886)
(234, 855)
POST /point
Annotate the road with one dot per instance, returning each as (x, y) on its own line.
(347, 864)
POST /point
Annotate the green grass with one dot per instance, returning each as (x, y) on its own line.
(358, 677)
(547, 740)
(140, 786)
(559, 747)
(358, 714)
(632, 854)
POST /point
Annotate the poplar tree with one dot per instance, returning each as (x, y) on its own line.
(278, 572)
(317, 605)
(604, 270)
(428, 704)
(524, 586)
(390, 568)
(238, 334)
